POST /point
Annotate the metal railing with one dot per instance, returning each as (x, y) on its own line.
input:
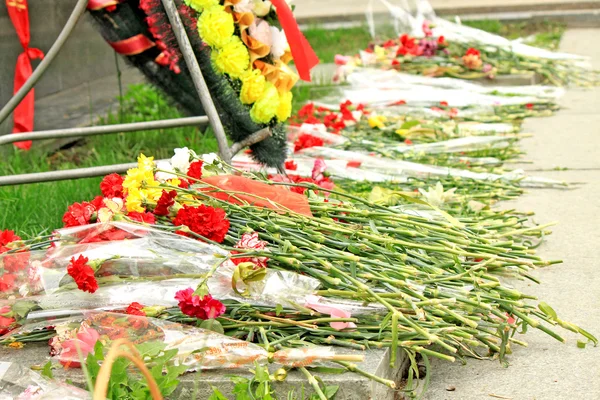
(211, 118)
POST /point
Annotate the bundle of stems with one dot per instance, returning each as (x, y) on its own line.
(438, 281)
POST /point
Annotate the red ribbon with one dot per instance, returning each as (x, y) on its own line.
(134, 45)
(23, 114)
(96, 5)
(304, 56)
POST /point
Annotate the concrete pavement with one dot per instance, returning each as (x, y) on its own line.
(548, 369)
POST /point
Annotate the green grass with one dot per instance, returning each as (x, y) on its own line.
(31, 209)
(547, 34)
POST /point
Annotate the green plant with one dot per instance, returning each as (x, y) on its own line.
(125, 385)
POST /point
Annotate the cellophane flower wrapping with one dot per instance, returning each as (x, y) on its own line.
(141, 264)
(18, 382)
(197, 348)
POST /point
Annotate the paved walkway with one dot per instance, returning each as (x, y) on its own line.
(548, 369)
(307, 9)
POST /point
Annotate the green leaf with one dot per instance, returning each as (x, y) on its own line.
(409, 124)
(150, 349)
(549, 311)
(261, 373)
(99, 350)
(212, 325)
(22, 308)
(47, 370)
(278, 309)
(216, 394)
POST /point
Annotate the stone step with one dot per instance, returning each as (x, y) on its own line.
(351, 386)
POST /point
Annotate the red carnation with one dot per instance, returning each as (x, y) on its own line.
(135, 309)
(473, 52)
(7, 282)
(146, 218)
(16, 261)
(83, 274)
(203, 308)
(529, 106)
(98, 202)
(291, 165)
(167, 199)
(195, 170)
(184, 184)
(209, 222)
(7, 237)
(112, 186)
(307, 110)
(305, 141)
(78, 214)
(5, 322)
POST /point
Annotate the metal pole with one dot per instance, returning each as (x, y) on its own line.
(52, 53)
(65, 174)
(198, 78)
(103, 130)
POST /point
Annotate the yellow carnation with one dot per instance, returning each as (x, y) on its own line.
(216, 26)
(199, 5)
(266, 107)
(285, 106)
(233, 58)
(253, 86)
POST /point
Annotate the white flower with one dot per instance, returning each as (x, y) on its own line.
(244, 6)
(261, 31)
(210, 158)
(181, 160)
(165, 171)
(436, 197)
(279, 42)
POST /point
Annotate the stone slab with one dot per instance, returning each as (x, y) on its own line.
(351, 386)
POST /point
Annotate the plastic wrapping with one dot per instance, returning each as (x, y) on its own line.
(362, 91)
(197, 348)
(20, 383)
(116, 251)
(405, 22)
(392, 79)
(396, 168)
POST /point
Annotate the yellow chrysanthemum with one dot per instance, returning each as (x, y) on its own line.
(253, 86)
(266, 107)
(200, 5)
(145, 163)
(285, 106)
(216, 26)
(138, 177)
(233, 58)
(135, 200)
(152, 193)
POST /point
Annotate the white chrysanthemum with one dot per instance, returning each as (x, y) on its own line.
(181, 160)
(166, 171)
(279, 42)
